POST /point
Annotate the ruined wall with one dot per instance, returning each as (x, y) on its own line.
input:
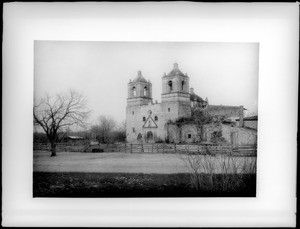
(228, 111)
(173, 133)
(189, 133)
(250, 124)
(244, 136)
(183, 133)
(233, 135)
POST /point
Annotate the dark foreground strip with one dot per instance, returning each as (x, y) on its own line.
(75, 184)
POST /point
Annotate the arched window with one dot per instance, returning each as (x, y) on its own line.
(155, 118)
(145, 91)
(134, 91)
(170, 85)
(182, 85)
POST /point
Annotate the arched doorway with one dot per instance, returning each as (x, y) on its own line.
(149, 137)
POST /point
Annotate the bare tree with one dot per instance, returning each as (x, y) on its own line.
(103, 129)
(58, 113)
(119, 134)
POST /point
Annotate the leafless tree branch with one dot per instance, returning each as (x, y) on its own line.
(54, 114)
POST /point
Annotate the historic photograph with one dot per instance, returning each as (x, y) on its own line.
(145, 119)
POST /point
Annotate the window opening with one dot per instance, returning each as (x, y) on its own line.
(170, 85)
(134, 91)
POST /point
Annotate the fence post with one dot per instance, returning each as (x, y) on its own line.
(130, 147)
(152, 148)
(163, 147)
(175, 147)
(142, 149)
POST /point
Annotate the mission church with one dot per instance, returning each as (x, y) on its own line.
(149, 122)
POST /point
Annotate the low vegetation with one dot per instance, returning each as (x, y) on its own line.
(64, 184)
(235, 172)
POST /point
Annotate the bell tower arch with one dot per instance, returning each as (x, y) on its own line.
(139, 91)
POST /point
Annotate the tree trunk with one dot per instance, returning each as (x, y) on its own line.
(53, 149)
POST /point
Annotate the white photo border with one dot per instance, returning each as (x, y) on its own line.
(275, 26)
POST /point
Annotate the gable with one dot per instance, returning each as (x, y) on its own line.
(149, 123)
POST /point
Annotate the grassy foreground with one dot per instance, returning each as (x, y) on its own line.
(77, 184)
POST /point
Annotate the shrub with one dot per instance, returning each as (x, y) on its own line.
(221, 173)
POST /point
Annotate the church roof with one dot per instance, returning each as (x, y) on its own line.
(195, 97)
(176, 72)
(139, 78)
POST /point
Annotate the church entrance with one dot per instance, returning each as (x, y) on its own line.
(149, 137)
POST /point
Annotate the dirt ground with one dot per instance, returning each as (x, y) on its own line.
(108, 162)
(117, 162)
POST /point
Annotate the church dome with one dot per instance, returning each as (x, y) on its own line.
(139, 78)
(176, 72)
(195, 97)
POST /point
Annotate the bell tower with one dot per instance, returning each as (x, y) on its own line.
(139, 91)
(175, 94)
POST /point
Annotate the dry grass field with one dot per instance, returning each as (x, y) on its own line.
(118, 162)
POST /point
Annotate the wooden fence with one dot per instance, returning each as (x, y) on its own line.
(196, 149)
(154, 148)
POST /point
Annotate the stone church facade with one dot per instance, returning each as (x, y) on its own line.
(149, 122)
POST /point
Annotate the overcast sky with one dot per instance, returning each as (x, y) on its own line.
(225, 73)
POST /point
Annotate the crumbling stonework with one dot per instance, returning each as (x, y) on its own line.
(234, 135)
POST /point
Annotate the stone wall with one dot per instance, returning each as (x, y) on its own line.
(250, 124)
(234, 135)
(189, 133)
(182, 133)
(236, 112)
(228, 111)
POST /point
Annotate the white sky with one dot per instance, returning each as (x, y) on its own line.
(225, 73)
